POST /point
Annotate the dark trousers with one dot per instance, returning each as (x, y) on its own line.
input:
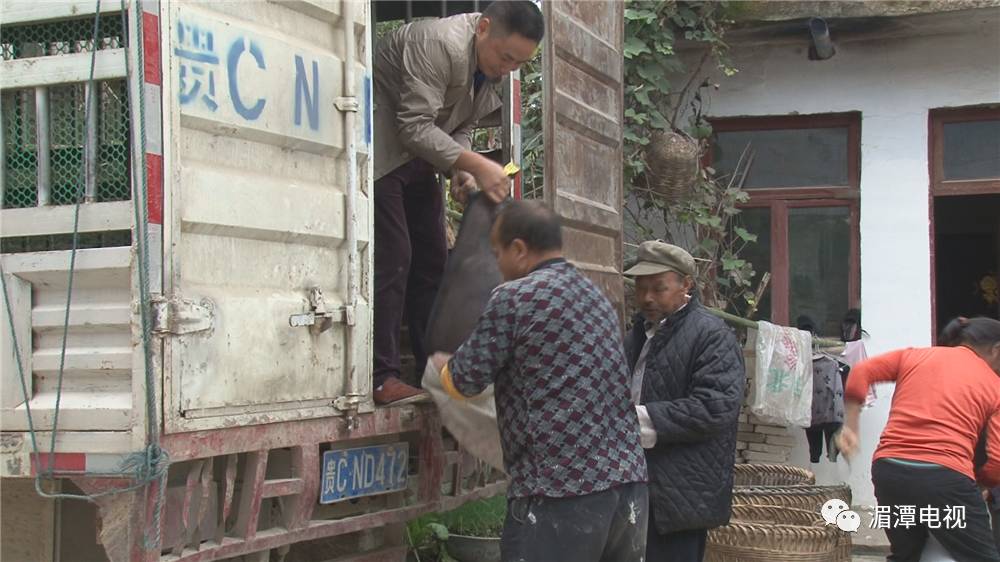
(899, 484)
(679, 546)
(607, 526)
(410, 253)
(816, 434)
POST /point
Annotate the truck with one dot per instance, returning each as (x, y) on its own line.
(187, 258)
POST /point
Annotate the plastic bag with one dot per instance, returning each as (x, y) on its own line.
(470, 276)
(783, 382)
(473, 421)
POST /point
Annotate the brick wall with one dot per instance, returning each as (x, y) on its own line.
(756, 440)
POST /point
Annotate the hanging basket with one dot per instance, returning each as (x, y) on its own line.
(672, 165)
(771, 475)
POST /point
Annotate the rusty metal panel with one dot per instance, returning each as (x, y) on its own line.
(582, 105)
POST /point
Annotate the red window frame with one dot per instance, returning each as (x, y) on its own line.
(780, 200)
(937, 118)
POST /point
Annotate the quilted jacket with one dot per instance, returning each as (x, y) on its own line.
(693, 388)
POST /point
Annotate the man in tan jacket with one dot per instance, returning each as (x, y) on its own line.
(434, 80)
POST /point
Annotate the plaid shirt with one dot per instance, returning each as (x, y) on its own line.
(551, 343)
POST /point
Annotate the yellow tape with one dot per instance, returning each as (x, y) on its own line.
(449, 385)
(511, 169)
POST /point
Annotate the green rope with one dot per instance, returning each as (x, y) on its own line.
(151, 464)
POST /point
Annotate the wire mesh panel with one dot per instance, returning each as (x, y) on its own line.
(63, 154)
(20, 148)
(59, 38)
(67, 134)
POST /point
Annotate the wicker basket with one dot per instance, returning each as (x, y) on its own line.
(672, 161)
(771, 475)
(775, 514)
(807, 497)
(766, 542)
(778, 515)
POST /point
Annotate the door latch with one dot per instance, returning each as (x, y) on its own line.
(321, 318)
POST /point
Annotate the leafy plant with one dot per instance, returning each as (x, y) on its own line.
(482, 518)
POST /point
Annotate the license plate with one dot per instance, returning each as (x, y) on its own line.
(365, 471)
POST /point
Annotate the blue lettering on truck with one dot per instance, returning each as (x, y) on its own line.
(199, 63)
(302, 94)
(236, 50)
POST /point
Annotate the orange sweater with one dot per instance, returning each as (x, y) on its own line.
(944, 398)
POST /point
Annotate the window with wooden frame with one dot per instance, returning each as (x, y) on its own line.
(964, 155)
(965, 151)
(802, 174)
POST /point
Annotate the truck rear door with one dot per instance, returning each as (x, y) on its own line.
(256, 311)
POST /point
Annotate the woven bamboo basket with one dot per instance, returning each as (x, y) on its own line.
(672, 161)
(807, 497)
(778, 515)
(771, 475)
(766, 542)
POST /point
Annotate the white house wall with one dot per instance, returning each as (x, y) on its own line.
(893, 83)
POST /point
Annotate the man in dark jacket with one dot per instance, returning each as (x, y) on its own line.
(688, 383)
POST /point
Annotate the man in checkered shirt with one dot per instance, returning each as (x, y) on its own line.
(550, 342)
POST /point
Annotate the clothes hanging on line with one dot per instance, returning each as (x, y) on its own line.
(827, 406)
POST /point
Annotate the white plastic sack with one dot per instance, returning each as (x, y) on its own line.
(783, 382)
(473, 421)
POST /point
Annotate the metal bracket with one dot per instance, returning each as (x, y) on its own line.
(347, 104)
(177, 316)
(320, 318)
(348, 403)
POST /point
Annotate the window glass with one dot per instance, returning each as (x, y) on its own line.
(758, 221)
(786, 157)
(819, 246)
(972, 150)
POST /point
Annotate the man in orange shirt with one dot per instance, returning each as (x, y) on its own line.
(945, 399)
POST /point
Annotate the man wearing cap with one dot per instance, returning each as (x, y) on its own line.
(688, 381)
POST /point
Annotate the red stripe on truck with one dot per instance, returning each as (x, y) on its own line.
(62, 462)
(154, 185)
(151, 48)
(517, 101)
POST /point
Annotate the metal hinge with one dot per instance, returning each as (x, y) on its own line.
(320, 318)
(179, 316)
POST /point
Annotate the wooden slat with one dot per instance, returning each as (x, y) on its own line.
(62, 69)
(19, 294)
(91, 315)
(229, 484)
(91, 259)
(282, 487)
(248, 513)
(25, 11)
(75, 417)
(305, 460)
(87, 359)
(967, 187)
(43, 221)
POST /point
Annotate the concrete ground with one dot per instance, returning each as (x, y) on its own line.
(870, 545)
